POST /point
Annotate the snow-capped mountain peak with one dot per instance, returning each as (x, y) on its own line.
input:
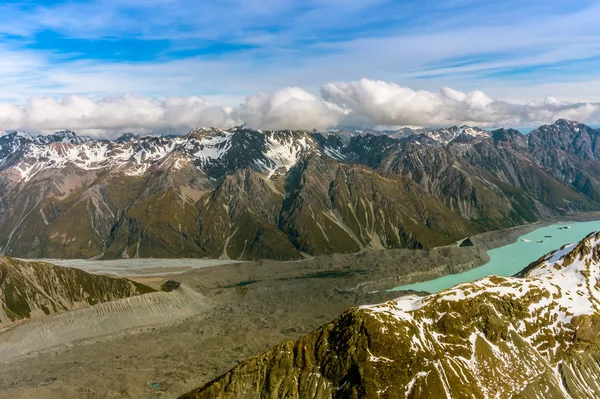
(67, 136)
(446, 136)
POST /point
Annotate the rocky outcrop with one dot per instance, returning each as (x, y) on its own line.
(467, 242)
(528, 337)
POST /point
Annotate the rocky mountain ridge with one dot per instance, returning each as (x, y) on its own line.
(246, 194)
(31, 290)
(529, 337)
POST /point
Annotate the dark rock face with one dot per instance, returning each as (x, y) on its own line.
(467, 243)
(245, 194)
(569, 151)
(170, 285)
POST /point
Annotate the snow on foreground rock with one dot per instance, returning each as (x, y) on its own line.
(531, 337)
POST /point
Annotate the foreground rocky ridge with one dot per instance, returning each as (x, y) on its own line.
(530, 337)
(246, 194)
(31, 290)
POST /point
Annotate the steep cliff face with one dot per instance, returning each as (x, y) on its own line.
(36, 289)
(491, 182)
(530, 337)
(570, 151)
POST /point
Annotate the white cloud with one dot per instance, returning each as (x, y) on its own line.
(306, 44)
(112, 115)
(373, 102)
(288, 108)
(365, 102)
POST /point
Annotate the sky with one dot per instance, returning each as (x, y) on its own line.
(108, 66)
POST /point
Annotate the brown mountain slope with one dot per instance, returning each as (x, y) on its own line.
(332, 207)
(37, 289)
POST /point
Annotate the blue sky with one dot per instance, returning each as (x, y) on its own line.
(224, 51)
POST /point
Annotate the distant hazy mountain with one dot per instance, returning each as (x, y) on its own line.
(531, 337)
(246, 194)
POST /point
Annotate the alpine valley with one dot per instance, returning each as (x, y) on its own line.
(531, 336)
(284, 195)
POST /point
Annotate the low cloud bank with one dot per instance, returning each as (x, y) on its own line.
(371, 102)
(365, 102)
(112, 114)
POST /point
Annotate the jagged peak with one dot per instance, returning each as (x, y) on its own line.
(210, 129)
(201, 133)
(17, 133)
(504, 134)
(287, 133)
(563, 127)
(125, 137)
(445, 136)
(243, 129)
(65, 133)
(563, 121)
(462, 128)
(507, 130)
(68, 136)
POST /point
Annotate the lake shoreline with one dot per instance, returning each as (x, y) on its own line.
(499, 238)
(494, 240)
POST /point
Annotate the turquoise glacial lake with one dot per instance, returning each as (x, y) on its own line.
(508, 260)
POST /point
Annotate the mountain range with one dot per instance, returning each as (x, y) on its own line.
(530, 336)
(249, 194)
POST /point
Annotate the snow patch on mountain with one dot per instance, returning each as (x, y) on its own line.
(446, 136)
(334, 153)
(563, 285)
(133, 158)
(285, 148)
(207, 148)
